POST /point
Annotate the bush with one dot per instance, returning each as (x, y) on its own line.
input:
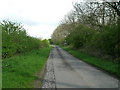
(101, 43)
(80, 36)
(15, 40)
(45, 43)
(107, 40)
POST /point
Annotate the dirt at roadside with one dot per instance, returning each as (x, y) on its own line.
(39, 81)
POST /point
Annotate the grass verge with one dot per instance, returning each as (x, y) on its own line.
(97, 62)
(19, 71)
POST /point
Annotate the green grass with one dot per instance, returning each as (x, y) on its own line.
(100, 63)
(19, 71)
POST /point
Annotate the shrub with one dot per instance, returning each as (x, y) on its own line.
(15, 40)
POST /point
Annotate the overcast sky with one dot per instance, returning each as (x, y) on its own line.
(39, 17)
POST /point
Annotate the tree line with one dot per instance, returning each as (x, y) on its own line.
(15, 39)
(91, 27)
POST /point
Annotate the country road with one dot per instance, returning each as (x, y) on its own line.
(66, 71)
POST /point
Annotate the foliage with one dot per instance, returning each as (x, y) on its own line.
(50, 41)
(93, 28)
(108, 40)
(80, 36)
(60, 33)
(15, 40)
(45, 43)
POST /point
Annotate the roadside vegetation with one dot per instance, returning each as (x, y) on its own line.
(103, 64)
(22, 56)
(20, 71)
(15, 40)
(92, 28)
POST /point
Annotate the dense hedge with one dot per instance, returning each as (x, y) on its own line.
(80, 36)
(15, 39)
(107, 41)
(104, 42)
(93, 28)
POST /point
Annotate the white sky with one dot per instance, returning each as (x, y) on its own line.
(39, 17)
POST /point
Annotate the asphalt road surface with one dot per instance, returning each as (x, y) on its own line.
(66, 71)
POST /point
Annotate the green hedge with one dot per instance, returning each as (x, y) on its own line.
(15, 40)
